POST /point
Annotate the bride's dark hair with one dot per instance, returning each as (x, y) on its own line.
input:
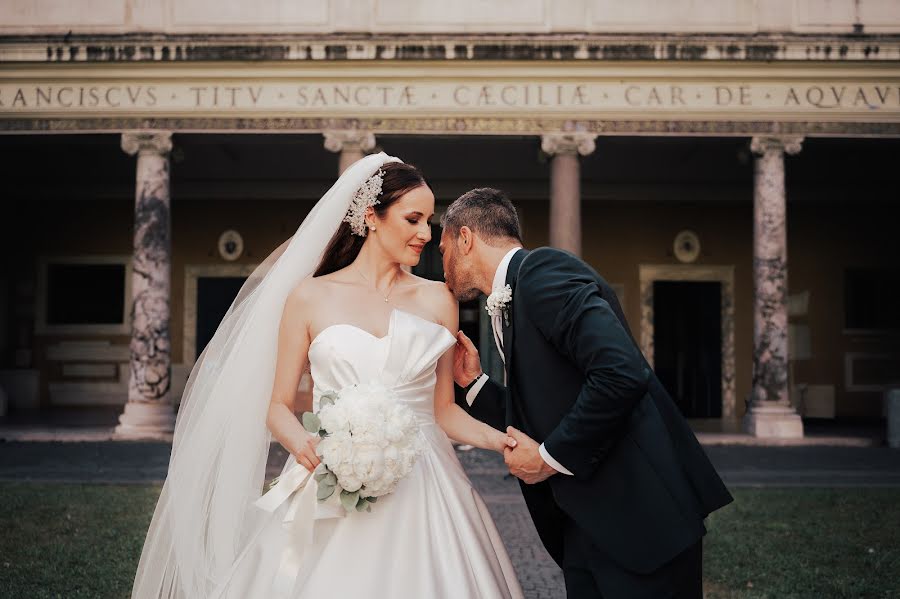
(342, 250)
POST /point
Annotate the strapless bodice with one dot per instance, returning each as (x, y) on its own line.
(404, 360)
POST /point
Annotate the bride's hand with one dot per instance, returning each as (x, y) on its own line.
(501, 442)
(306, 456)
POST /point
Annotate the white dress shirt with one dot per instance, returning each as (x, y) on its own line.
(497, 326)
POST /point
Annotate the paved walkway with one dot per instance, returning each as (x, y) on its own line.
(98, 424)
(740, 466)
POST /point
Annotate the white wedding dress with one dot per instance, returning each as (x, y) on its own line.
(433, 538)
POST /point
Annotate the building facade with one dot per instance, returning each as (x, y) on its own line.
(730, 167)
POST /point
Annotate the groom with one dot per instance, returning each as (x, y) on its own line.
(616, 482)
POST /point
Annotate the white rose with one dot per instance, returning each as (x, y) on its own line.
(334, 418)
(385, 485)
(393, 433)
(368, 462)
(391, 458)
(336, 449)
(351, 396)
(370, 437)
(401, 422)
(365, 422)
(350, 483)
(343, 470)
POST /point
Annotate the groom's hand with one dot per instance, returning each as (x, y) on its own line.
(466, 361)
(525, 461)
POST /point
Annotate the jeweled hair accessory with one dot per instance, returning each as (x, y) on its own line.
(365, 196)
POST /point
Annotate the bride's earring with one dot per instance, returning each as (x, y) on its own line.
(372, 228)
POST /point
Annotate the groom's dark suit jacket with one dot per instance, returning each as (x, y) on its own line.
(577, 382)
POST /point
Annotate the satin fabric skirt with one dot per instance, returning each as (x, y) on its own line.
(433, 538)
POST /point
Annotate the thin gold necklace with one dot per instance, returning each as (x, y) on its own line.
(366, 279)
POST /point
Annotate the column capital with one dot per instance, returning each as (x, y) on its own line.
(350, 139)
(789, 144)
(155, 142)
(568, 143)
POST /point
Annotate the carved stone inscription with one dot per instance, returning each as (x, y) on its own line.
(448, 97)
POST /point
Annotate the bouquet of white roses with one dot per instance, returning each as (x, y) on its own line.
(369, 442)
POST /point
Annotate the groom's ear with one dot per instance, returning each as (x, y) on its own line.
(466, 240)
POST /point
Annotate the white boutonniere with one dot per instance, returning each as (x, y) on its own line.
(498, 303)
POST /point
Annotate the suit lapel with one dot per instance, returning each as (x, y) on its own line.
(512, 275)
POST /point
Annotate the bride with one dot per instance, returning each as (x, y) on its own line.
(335, 297)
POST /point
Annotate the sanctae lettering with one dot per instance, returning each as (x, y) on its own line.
(356, 95)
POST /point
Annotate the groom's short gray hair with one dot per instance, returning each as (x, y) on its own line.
(487, 211)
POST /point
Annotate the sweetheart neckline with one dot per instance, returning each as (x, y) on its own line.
(387, 335)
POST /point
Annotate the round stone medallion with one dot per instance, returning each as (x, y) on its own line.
(231, 245)
(687, 246)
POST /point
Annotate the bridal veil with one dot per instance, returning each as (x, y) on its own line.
(205, 518)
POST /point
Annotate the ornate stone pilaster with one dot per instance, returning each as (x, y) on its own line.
(351, 143)
(769, 413)
(149, 411)
(565, 186)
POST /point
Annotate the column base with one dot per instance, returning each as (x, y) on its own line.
(146, 420)
(773, 421)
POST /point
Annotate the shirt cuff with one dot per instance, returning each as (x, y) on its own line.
(473, 392)
(551, 462)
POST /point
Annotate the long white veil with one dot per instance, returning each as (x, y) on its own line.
(205, 519)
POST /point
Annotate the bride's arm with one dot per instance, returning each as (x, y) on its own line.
(293, 345)
(458, 424)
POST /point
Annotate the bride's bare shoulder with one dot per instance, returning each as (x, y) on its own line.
(440, 301)
(301, 297)
(308, 291)
(428, 289)
(312, 288)
(443, 295)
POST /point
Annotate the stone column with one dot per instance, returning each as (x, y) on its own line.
(351, 143)
(149, 411)
(565, 186)
(769, 413)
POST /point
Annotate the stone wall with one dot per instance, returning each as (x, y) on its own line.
(462, 16)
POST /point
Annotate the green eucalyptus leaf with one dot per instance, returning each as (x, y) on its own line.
(371, 499)
(348, 500)
(327, 399)
(311, 422)
(324, 492)
(361, 504)
(330, 479)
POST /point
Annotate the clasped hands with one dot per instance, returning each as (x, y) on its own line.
(523, 458)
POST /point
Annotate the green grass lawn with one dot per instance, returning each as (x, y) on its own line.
(61, 540)
(818, 543)
(69, 541)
